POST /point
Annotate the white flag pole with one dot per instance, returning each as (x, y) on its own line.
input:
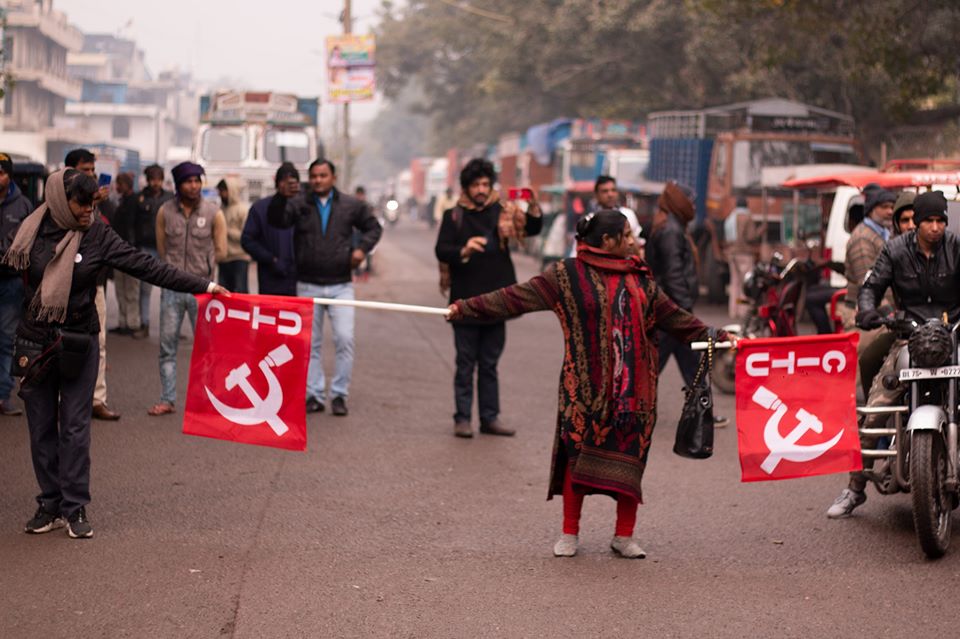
(383, 306)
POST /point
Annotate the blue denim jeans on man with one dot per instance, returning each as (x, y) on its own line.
(11, 307)
(341, 319)
(173, 306)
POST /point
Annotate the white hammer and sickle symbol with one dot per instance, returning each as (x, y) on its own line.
(263, 409)
(781, 447)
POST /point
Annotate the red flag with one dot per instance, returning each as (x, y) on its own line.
(248, 373)
(796, 406)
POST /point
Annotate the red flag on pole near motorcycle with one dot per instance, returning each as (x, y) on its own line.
(796, 406)
(248, 372)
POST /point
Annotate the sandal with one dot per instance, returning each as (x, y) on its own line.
(162, 408)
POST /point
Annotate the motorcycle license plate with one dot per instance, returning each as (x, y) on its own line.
(910, 374)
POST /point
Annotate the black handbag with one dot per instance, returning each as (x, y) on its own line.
(33, 361)
(695, 430)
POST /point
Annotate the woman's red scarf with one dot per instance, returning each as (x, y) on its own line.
(607, 261)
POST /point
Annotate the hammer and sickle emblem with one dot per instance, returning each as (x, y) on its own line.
(262, 409)
(781, 447)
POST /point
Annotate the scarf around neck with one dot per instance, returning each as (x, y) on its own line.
(49, 304)
(609, 262)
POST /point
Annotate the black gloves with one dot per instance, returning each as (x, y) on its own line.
(869, 320)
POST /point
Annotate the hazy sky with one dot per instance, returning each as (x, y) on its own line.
(275, 45)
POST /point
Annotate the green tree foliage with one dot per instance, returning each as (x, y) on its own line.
(499, 65)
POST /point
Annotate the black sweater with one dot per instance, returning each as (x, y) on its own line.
(100, 247)
(482, 272)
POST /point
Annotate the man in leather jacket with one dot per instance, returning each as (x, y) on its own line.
(922, 268)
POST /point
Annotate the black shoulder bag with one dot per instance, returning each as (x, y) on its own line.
(695, 430)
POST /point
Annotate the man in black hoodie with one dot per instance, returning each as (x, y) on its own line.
(14, 206)
(323, 221)
(471, 243)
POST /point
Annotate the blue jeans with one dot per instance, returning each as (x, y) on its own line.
(145, 290)
(173, 306)
(341, 318)
(11, 308)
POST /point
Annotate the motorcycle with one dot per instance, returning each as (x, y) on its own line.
(921, 457)
(774, 293)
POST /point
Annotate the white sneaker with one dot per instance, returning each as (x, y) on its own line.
(627, 547)
(845, 504)
(566, 546)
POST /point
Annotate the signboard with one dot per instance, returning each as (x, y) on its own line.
(350, 85)
(350, 68)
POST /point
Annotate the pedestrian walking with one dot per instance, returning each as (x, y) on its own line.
(192, 236)
(85, 162)
(323, 222)
(236, 265)
(271, 247)
(61, 248)
(473, 245)
(743, 237)
(673, 260)
(152, 197)
(127, 288)
(14, 207)
(611, 310)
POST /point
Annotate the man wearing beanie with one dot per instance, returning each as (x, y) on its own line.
(271, 247)
(14, 206)
(200, 232)
(922, 269)
(903, 213)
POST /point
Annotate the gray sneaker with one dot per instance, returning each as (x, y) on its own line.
(566, 546)
(848, 500)
(627, 547)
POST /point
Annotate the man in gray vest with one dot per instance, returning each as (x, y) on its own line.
(191, 235)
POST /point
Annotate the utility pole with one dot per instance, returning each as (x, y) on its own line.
(347, 30)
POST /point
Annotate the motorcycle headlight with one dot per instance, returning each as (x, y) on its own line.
(930, 345)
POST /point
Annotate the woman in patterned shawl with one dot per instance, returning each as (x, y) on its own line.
(609, 307)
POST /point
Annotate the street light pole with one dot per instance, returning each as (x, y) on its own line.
(347, 29)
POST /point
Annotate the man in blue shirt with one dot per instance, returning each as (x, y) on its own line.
(323, 222)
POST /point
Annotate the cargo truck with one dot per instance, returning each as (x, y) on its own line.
(248, 134)
(721, 153)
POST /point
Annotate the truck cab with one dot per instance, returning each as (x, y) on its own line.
(249, 134)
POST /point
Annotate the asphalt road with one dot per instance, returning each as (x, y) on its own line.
(388, 526)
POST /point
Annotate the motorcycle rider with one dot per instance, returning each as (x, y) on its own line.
(922, 268)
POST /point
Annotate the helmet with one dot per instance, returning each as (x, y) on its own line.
(930, 344)
(751, 285)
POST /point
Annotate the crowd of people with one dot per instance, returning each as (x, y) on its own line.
(57, 257)
(625, 305)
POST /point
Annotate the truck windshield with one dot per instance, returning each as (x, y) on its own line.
(751, 156)
(287, 146)
(224, 145)
(631, 171)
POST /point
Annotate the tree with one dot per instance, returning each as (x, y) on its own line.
(503, 65)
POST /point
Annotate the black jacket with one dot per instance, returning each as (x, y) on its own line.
(482, 272)
(145, 226)
(324, 258)
(99, 248)
(125, 219)
(14, 207)
(923, 288)
(673, 263)
(271, 247)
